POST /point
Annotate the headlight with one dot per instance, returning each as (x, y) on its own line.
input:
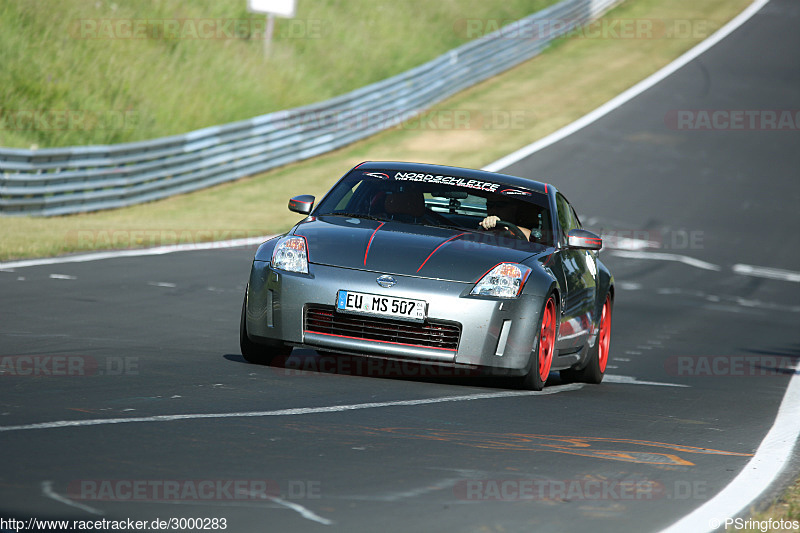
(291, 254)
(505, 281)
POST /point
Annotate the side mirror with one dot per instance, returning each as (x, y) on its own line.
(301, 204)
(583, 240)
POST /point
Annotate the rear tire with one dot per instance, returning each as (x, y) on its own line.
(253, 352)
(595, 369)
(542, 356)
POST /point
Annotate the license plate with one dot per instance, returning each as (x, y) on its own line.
(379, 305)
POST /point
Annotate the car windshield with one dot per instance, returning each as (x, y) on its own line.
(441, 201)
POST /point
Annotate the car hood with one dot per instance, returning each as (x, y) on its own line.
(411, 250)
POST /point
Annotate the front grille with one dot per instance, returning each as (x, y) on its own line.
(429, 334)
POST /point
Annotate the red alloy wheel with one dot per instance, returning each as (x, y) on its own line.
(547, 339)
(604, 338)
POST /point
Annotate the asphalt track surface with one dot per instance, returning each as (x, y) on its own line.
(701, 355)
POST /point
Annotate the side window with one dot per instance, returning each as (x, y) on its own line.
(575, 218)
(566, 217)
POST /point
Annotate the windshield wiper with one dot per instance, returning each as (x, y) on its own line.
(354, 215)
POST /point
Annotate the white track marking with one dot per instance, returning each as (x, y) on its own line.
(660, 256)
(631, 93)
(772, 456)
(160, 250)
(47, 490)
(291, 412)
(765, 272)
(62, 276)
(630, 380)
(735, 300)
(305, 513)
(326, 409)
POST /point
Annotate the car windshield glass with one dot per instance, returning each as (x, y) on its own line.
(441, 201)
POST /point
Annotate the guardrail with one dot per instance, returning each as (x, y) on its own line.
(58, 181)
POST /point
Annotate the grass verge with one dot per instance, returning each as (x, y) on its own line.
(786, 509)
(134, 70)
(502, 114)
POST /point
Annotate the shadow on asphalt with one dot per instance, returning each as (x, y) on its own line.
(305, 362)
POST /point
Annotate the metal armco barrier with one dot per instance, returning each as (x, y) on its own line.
(58, 181)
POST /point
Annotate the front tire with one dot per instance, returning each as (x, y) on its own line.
(595, 369)
(255, 353)
(542, 356)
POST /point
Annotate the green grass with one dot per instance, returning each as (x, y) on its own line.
(544, 94)
(787, 508)
(79, 57)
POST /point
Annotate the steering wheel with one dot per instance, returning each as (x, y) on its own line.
(513, 228)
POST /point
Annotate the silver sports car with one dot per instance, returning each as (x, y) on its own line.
(437, 265)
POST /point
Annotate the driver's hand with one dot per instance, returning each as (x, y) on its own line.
(489, 222)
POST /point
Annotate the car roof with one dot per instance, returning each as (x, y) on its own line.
(458, 172)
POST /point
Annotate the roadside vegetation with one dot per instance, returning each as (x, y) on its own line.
(110, 71)
(785, 510)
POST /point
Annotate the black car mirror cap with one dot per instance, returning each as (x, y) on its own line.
(302, 204)
(581, 239)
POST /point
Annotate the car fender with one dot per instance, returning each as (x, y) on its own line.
(265, 249)
(605, 285)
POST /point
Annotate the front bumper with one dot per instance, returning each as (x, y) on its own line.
(495, 333)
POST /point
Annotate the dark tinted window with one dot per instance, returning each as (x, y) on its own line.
(435, 200)
(567, 219)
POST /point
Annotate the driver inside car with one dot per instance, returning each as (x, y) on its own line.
(506, 210)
